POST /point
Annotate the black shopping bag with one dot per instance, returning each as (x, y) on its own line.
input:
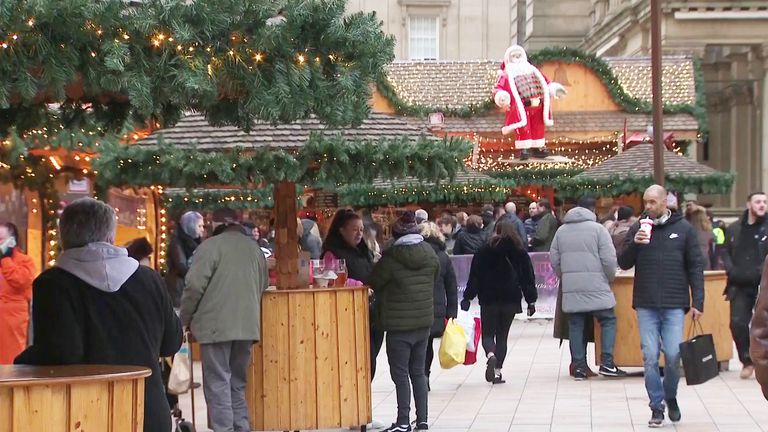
(699, 358)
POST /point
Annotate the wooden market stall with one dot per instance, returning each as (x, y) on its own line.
(311, 368)
(75, 398)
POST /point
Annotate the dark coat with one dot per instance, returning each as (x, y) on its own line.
(502, 273)
(359, 259)
(758, 344)
(745, 272)
(669, 270)
(445, 297)
(519, 225)
(469, 241)
(403, 281)
(75, 323)
(546, 227)
(179, 252)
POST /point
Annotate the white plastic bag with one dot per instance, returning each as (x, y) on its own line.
(180, 379)
(467, 321)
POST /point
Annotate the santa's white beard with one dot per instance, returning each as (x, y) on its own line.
(520, 68)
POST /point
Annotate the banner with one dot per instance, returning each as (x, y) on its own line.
(547, 282)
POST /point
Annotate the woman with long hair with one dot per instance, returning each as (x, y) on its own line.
(697, 216)
(445, 294)
(500, 276)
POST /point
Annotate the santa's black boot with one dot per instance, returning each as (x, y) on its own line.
(540, 153)
(524, 155)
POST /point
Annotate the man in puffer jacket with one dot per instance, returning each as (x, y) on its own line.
(669, 271)
(583, 255)
(403, 282)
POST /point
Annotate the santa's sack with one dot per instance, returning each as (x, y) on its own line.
(180, 379)
(467, 321)
(470, 357)
(699, 358)
(453, 345)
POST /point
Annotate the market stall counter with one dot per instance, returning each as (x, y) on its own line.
(74, 398)
(716, 320)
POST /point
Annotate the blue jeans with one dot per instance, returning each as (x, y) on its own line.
(578, 343)
(661, 330)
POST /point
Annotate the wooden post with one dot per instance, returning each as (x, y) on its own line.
(286, 236)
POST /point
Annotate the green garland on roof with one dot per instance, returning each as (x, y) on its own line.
(452, 193)
(535, 176)
(719, 183)
(568, 55)
(324, 161)
(238, 199)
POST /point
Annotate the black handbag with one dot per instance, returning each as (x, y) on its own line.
(699, 357)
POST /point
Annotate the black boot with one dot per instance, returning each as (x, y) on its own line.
(524, 155)
(540, 153)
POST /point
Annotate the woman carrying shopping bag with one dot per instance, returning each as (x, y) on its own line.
(501, 274)
(445, 296)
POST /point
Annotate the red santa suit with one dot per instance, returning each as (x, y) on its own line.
(524, 91)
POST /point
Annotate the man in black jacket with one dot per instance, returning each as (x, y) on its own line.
(746, 248)
(669, 270)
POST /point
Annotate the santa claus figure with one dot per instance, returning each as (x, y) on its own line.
(525, 94)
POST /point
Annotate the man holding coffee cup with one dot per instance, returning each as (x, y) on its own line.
(669, 271)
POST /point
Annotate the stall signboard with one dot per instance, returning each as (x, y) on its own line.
(547, 282)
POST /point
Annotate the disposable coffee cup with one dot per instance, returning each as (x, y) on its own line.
(646, 225)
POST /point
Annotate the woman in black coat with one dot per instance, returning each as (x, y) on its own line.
(501, 274)
(445, 294)
(187, 237)
(471, 238)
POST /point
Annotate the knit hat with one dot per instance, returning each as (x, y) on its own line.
(624, 213)
(405, 224)
(421, 216)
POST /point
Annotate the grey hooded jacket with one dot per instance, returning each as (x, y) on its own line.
(583, 255)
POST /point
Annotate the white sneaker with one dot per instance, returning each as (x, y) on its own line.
(374, 425)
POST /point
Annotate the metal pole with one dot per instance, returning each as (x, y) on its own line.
(658, 104)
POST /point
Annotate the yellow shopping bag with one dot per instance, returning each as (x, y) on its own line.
(453, 345)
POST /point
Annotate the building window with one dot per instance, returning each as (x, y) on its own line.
(423, 41)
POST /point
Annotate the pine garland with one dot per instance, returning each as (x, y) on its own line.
(719, 183)
(450, 193)
(536, 176)
(324, 161)
(218, 57)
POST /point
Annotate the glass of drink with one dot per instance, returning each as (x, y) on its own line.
(341, 273)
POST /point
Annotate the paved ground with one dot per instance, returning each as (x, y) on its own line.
(540, 396)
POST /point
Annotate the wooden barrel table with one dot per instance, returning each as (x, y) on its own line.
(312, 367)
(716, 320)
(77, 398)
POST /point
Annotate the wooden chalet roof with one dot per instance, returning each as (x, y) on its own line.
(456, 84)
(193, 129)
(638, 162)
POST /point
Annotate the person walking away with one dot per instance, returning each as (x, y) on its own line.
(758, 344)
(718, 231)
(746, 249)
(618, 229)
(489, 220)
(669, 272)
(186, 238)
(221, 308)
(99, 306)
(500, 276)
(445, 297)
(403, 281)
(471, 238)
(510, 214)
(546, 226)
(346, 240)
(584, 258)
(696, 215)
(17, 271)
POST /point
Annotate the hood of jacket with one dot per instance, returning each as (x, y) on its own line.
(412, 256)
(579, 214)
(103, 266)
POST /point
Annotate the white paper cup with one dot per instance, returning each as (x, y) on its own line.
(646, 225)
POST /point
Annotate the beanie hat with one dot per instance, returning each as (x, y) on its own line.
(625, 213)
(405, 224)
